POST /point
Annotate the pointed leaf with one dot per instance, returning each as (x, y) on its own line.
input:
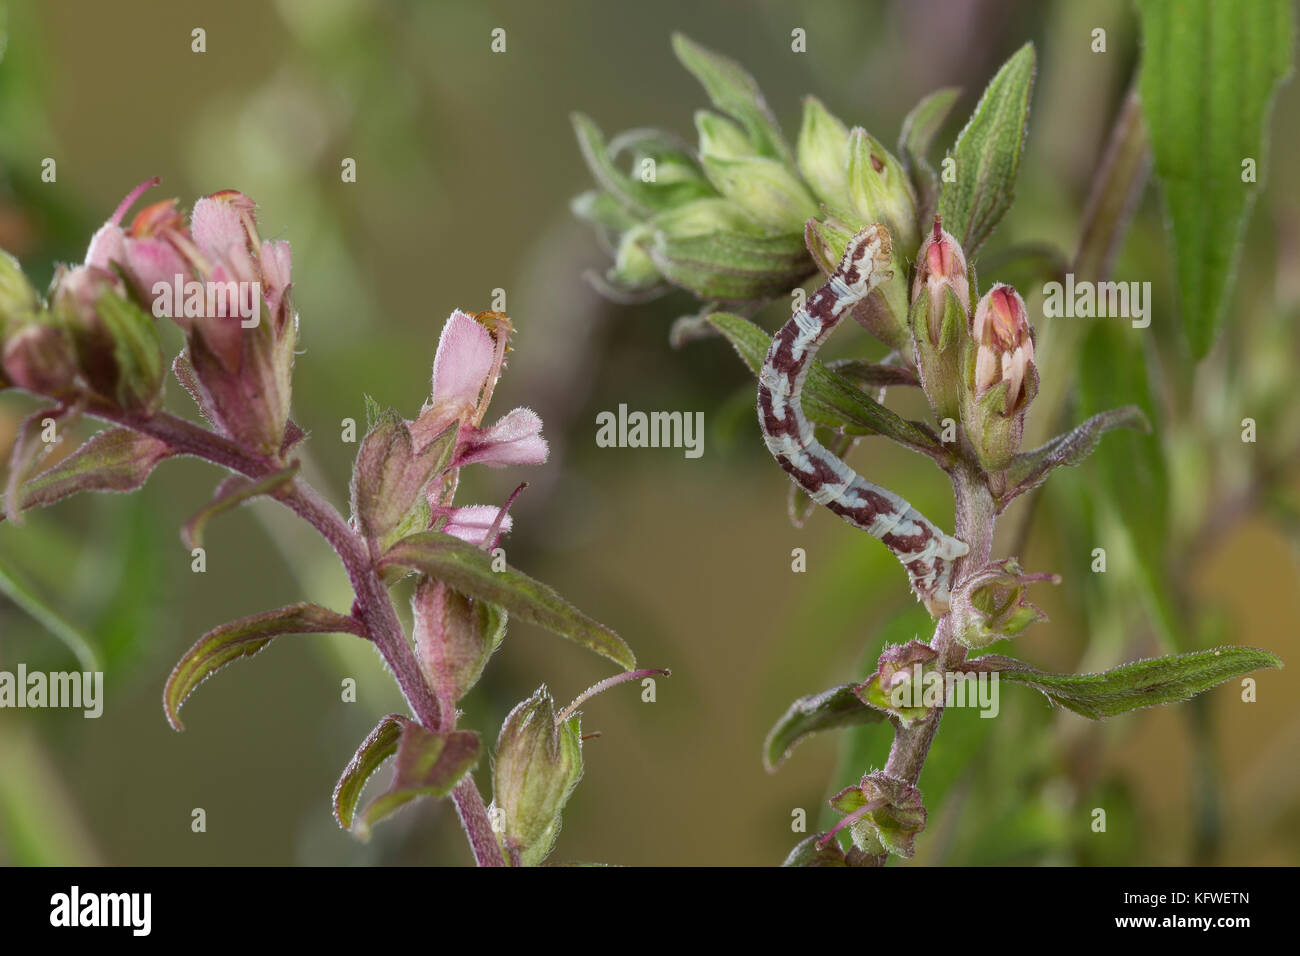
(469, 570)
(230, 494)
(427, 765)
(1209, 72)
(988, 154)
(1030, 469)
(1145, 683)
(829, 710)
(736, 93)
(379, 745)
(115, 459)
(244, 638)
(829, 398)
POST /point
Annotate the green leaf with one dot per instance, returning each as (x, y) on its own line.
(244, 638)
(988, 154)
(115, 459)
(1209, 71)
(469, 570)
(735, 92)
(1030, 469)
(230, 494)
(1161, 680)
(427, 765)
(829, 398)
(829, 710)
(635, 197)
(379, 745)
(923, 123)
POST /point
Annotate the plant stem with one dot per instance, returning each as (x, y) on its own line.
(975, 519)
(373, 605)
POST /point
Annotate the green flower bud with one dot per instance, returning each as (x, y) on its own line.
(537, 766)
(765, 189)
(880, 190)
(702, 217)
(939, 320)
(720, 137)
(633, 266)
(823, 152)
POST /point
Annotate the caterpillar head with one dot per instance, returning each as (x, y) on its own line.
(867, 262)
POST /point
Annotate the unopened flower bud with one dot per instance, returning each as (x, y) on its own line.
(765, 189)
(1000, 378)
(119, 352)
(939, 319)
(823, 153)
(18, 300)
(880, 190)
(537, 766)
(38, 356)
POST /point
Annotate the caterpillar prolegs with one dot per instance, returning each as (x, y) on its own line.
(926, 552)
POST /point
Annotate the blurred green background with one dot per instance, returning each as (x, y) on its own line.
(465, 167)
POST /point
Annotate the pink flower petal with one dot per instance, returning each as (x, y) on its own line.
(514, 440)
(276, 265)
(217, 227)
(472, 523)
(106, 246)
(149, 261)
(462, 363)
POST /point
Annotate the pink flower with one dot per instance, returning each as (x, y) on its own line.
(465, 371)
(473, 523)
(147, 251)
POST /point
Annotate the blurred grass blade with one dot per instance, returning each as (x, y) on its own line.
(468, 570)
(829, 710)
(17, 591)
(1161, 680)
(987, 153)
(1209, 71)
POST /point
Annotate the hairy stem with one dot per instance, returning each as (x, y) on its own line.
(373, 605)
(975, 519)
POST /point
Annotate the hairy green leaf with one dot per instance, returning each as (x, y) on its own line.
(244, 638)
(735, 92)
(115, 459)
(987, 154)
(469, 570)
(729, 266)
(379, 745)
(829, 710)
(1209, 71)
(1160, 680)
(1030, 469)
(427, 765)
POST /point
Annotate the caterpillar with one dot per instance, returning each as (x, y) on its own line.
(925, 552)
